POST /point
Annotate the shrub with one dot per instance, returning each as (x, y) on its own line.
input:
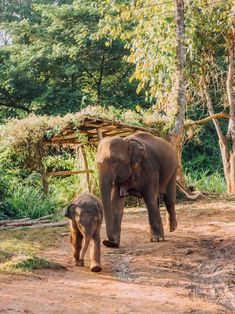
(30, 263)
(27, 201)
(204, 182)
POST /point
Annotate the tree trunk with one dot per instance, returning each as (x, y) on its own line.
(231, 102)
(99, 82)
(82, 163)
(85, 162)
(45, 185)
(223, 143)
(176, 134)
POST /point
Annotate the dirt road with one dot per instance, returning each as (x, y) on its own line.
(193, 271)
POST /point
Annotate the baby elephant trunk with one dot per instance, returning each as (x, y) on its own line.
(90, 226)
(86, 241)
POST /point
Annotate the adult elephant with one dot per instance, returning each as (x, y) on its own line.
(141, 165)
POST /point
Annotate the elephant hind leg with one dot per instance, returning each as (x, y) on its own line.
(170, 199)
(155, 220)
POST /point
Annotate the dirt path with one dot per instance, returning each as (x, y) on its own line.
(193, 271)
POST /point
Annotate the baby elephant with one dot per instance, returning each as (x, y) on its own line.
(86, 215)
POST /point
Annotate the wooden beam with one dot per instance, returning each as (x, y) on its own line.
(64, 142)
(66, 173)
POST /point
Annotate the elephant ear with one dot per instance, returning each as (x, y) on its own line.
(69, 212)
(137, 152)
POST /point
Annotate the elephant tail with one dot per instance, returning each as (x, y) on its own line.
(191, 195)
(69, 212)
(100, 209)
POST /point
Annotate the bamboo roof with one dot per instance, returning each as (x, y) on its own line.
(94, 129)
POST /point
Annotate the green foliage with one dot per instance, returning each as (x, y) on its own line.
(64, 189)
(202, 153)
(64, 161)
(149, 34)
(205, 182)
(27, 201)
(55, 63)
(25, 137)
(206, 49)
(29, 264)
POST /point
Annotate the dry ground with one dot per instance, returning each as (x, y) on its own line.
(193, 271)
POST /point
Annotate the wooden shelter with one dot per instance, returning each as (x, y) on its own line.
(94, 129)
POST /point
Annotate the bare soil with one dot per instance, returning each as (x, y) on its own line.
(193, 271)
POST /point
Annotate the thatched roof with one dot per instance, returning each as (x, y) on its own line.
(93, 129)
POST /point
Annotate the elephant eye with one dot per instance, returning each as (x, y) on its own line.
(114, 161)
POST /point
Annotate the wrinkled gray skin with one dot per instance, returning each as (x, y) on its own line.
(85, 214)
(141, 165)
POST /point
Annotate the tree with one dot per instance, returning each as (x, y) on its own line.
(176, 134)
(153, 52)
(148, 31)
(230, 40)
(208, 62)
(56, 64)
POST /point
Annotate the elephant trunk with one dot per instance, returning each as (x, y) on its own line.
(106, 184)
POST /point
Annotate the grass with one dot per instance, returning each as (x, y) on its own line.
(26, 264)
(4, 256)
(21, 249)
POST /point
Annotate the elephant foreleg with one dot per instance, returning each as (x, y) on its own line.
(155, 220)
(118, 204)
(76, 241)
(95, 252)
(86, 241)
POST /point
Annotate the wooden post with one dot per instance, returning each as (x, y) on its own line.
(99, 134)
(83, 164)
(86, 168)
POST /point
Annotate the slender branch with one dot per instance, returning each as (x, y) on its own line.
(207, 95)
(88, 72)
(100, 78)
(205, 120)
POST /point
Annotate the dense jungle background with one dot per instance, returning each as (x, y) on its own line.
(111, 57)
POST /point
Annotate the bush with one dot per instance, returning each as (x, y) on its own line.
(206, 182)
(28, 201)
(64, 189)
